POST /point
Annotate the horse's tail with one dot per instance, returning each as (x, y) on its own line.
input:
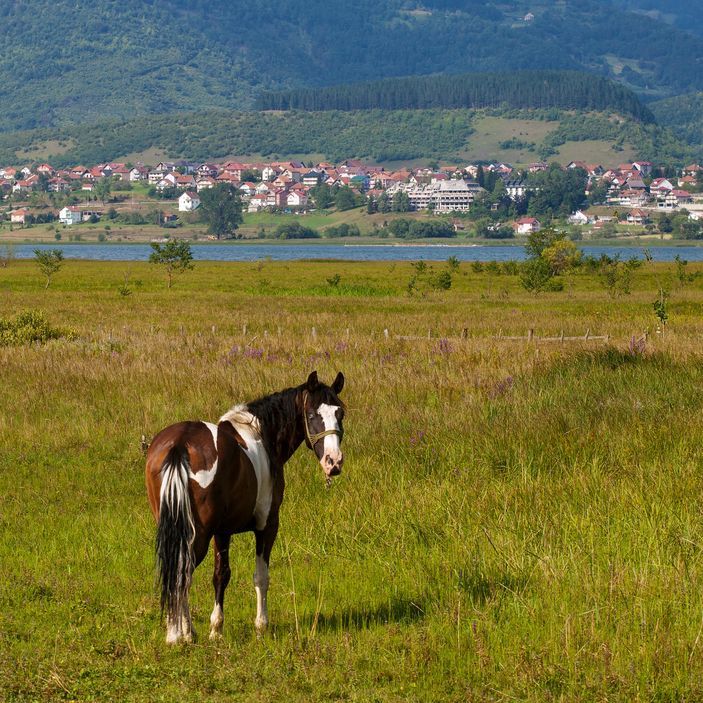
(175, 533)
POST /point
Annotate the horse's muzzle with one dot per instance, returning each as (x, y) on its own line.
(332, 464)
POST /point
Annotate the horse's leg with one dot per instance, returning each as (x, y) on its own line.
(200, 547)
(220, 579)
(264, 543)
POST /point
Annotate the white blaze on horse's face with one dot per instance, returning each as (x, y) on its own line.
(332, 457)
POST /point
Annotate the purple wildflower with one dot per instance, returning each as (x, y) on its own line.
(417, 438)
(501, 388)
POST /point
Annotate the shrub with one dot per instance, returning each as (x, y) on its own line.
(28, 327)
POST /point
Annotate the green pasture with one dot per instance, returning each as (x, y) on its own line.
(516, 520)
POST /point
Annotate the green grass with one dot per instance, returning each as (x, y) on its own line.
(514, 521)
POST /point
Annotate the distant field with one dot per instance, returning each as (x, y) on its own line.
(489, 132)
(45, 150)
(515, 521)
(595, 152)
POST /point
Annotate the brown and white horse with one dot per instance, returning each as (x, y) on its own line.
(208, 481)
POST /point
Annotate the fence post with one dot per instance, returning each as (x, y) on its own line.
(588, 334)
(385, 333)
(244, 330)
(314, 333)
(465, 333)
(530, 334)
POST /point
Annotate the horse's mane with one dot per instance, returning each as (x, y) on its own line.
(270, 417)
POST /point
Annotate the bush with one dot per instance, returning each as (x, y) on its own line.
(294, 230)
(28, 327)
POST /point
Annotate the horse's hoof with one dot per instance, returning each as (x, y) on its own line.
(215, 635)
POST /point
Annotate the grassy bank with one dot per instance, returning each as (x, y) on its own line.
(515, 520)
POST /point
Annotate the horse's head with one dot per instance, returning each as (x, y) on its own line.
(323, 413)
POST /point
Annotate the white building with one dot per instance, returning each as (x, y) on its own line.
(442, 196)
(188, 201)
(70, 216)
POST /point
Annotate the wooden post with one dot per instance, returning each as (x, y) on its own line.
(385, 333)
(465, 333)
(347, 333)
(213, 329)
(588, 334)
(530, 334)
(266, 334)
(314, 333)
(244, 330)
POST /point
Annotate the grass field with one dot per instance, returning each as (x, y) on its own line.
(515, 521)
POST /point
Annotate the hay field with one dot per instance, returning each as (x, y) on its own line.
(515, 521)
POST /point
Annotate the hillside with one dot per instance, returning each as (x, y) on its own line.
(80, 62)
(686, 15)
(684, 115)
(518, 136)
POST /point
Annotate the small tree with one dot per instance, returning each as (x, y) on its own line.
(103, 189)
(175, 256)
(221, 208)
(49, 262)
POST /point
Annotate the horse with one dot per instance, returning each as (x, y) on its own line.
(208, 482)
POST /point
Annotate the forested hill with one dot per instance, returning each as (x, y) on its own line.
(80, 61)
(684, 116)
(519, 89)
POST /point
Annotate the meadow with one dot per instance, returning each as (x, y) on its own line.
(515, 521)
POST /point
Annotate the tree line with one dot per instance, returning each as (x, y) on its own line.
(519, 89)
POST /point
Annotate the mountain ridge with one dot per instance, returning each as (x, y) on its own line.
(108, 59)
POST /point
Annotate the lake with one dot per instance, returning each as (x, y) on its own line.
(345, 252)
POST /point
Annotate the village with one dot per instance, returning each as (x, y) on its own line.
(615, 199)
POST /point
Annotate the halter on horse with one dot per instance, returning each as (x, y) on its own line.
(207, 481)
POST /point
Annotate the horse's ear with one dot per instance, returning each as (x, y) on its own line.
(338, 383)
(312, 382)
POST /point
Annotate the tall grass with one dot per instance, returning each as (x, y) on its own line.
(515, 521)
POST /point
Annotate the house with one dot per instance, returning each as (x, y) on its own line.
(660, 186)
(578, 218)
(120, 173)
(515, 189)
(673, 199)
(529, 17)
(88, 186)
(312, 178)
(297, 199)
(25, 186)
(188, 201)
(166, 183)
(78, 172)
(208, 170)
(683, 197)
(45, 169)
(689, 181)
(139, 173)
(185, 182)
(637, 217)
(644, 167)
(205, 182)
(87, 215)
(527, 225)
(70, 215)
(19, 216)
(692, 170)
(58, 185)
(256, 203)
